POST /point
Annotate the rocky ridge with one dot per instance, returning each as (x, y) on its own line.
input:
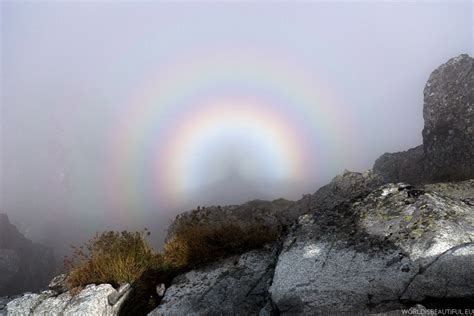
(372, 242)
(24, 265)
(369, 245)
(100, 299)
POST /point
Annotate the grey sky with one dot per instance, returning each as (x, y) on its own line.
(68, 68)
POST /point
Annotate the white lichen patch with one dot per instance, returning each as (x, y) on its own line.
(311, 251)
(390, 190)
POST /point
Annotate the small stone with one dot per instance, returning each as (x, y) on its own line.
(160, 289)
(58, 284)
(114, 297)
(405, 267)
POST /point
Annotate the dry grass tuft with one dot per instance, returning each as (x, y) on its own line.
(125, 257)
(111, 257)
(196, 244)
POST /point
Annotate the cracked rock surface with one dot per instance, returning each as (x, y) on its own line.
(398, 245)
(237, 285)
(92, 300)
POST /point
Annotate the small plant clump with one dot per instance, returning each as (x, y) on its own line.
(195, 244)
(125, 257)
(111, 257)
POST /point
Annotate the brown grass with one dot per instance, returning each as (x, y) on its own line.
(192, 245)
(111, 257)
(125, 257)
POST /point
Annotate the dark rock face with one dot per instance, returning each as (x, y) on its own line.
(447, 152)
(236, 285)
(407, 166)
(448, 136)
(344, 187)
(24, 265)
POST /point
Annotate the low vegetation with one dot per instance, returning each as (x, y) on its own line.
(111, 257)
(125, 257)
(192, 245)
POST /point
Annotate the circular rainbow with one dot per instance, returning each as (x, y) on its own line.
(167, 135)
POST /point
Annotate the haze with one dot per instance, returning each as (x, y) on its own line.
(118, 115)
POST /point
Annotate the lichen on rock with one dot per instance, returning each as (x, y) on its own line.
(237, 285)
(381, 252)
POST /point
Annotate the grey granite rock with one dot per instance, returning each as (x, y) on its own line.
(116, 296)
(160, 289)
(448, 135)
(26, 304)
(92, 300)
(53, 305)
(398, 244)
(407, 166)
(4, 300)
(447, 153)
(234, 286)
(342, 188)
(58, 283)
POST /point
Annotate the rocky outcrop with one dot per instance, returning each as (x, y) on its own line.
(398, 245)
(237, 285)
(407, 166)
(343, 187)
(24, 265)
(58, 284)
(447, 152)
(357, 245)
(269, 213)
(364, 244)
(92, 300)
(448, 135)
(282, 212)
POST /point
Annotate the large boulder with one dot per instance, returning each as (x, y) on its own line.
(393, 248)
(24, 265)
(92, 300)
(447, 152)
(448, 135)
(407, 166)
(342, 188)
(237, 285)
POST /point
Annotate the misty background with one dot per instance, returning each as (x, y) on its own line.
(69, 68)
